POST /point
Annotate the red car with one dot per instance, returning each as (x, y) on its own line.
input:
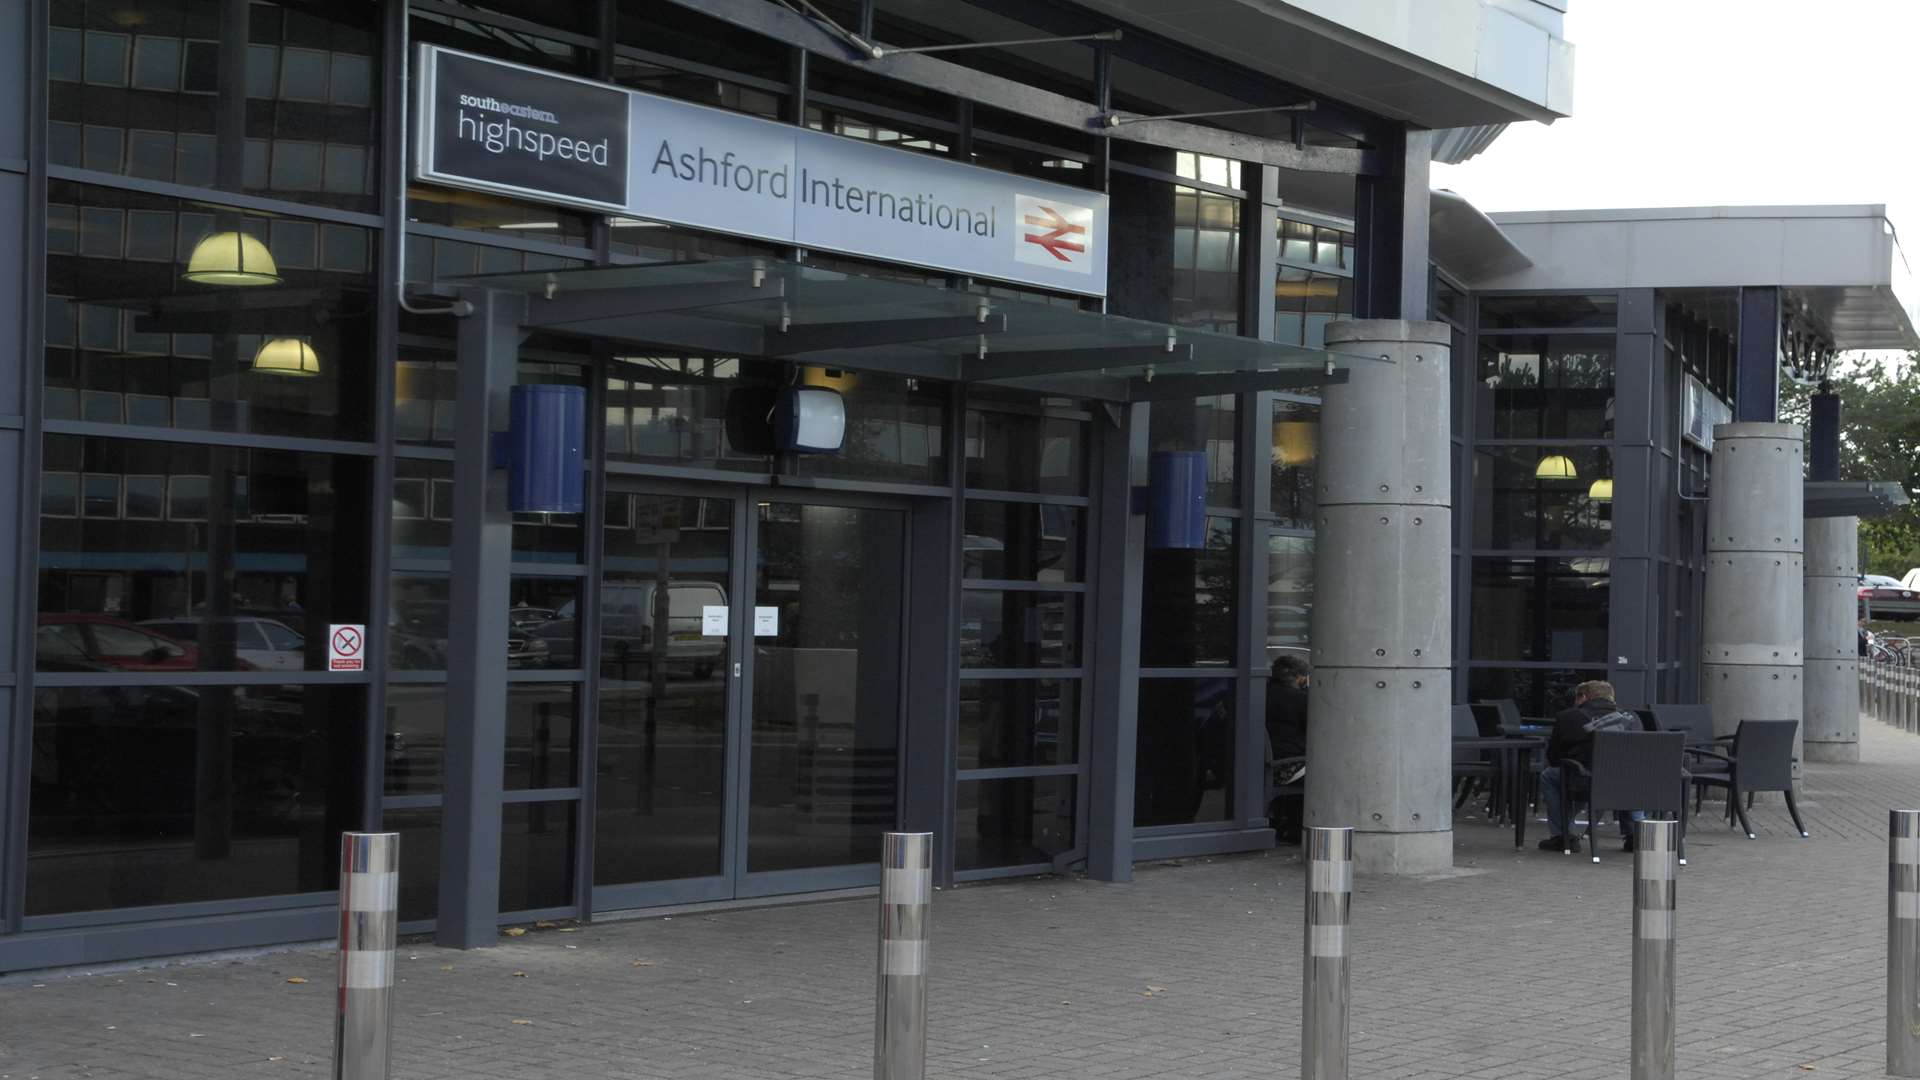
(65, 640)
(1887, 598)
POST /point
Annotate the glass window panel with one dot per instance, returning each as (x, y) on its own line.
(1296, 240)
(1208, 425)
(416, 734)
(295, 360)
(1021, 821)
(308, 72)
(145, 795)
(1291, 467)
(1547, 386)
(156, 63)
(827, 686)
(1184, 752)
(1289, 595)
(1009, 451)
(541, 721)
(59, 495)
(1539, 692)
(894, 432)
(419, 831)
(1541, 497)
(1188, 602)
(1011, 541)
(417, 532)
(1006, 723)
(417, 625)
(1019, 629)
(688, 410)
(146, 497)
(1175, 255)
(65, 49)
(284, 540)
(106, 58)
(536, 855)
(1290, 288)
(1547, 312)
(539, 635)
(1541, 609)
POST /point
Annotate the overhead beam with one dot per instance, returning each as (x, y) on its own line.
(815, 337)
(945, 77)
(1173, 387)
(601, 304)
(1036, 362)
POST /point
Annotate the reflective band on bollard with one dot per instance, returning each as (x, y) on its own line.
(1324, 998)
(900, 1017)
(369, 888)
(1903, 943)
(1656, 863)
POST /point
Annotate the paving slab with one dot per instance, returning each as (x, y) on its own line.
(1514, 967)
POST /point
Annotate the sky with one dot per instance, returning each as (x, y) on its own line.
(1723, 102)
(1717, 102)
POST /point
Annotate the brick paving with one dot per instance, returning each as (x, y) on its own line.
(1515, 966)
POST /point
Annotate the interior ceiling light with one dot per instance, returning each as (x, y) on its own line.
(1602, 490)
(1556, 467)
(287, 356)
(231, 258)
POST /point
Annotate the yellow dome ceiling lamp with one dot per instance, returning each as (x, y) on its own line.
(1602, 490)
(1556, 467)
(231, 258)
(287, 356)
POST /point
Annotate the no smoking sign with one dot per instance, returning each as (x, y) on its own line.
(346, 647)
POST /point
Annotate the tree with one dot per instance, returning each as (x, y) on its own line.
(1879, 440)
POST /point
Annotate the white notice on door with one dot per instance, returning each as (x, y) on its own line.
(766, 622)
(713, 621)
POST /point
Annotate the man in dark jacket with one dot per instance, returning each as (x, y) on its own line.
(1287, 738)
(1572, 740)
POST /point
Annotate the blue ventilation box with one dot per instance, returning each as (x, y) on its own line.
(1177, 499)
(546, 449)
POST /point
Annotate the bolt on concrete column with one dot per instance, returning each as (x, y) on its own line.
(1831, 696)
(1378, 732)
(1755, 582)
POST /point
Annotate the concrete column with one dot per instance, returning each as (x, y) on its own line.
(1378, 730)
(1832, 694)
(1754, 585)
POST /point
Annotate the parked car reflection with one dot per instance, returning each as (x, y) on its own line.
(110, 643)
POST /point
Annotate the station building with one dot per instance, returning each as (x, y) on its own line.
(1081, 303)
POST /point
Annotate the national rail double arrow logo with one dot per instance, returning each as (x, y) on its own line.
(1055, 234)
(1054, 239)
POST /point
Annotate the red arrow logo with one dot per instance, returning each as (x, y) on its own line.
(1054, 240)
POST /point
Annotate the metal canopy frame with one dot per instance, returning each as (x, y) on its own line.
(1854, 498)
(792, 311)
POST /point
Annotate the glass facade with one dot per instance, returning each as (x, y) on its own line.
(239, 444)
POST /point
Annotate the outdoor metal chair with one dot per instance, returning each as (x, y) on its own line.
(1759, 759)
(1696, 721)
(1509, 713)
(1486, 719)
(1632, 770)
(1471, 768)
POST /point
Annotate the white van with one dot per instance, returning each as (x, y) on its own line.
(626, 626)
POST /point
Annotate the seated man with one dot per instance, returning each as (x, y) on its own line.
(1287, 737)
(1572, 740)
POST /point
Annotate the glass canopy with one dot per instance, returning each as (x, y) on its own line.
(787, 310)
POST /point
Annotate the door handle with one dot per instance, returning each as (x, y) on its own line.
(736, 669)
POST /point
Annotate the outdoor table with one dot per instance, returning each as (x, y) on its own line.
(1513, 751)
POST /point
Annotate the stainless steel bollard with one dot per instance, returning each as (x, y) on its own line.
(369, 890)
(1656, 863)
(1903, 943)
(900, 1016)
(1325, 995)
